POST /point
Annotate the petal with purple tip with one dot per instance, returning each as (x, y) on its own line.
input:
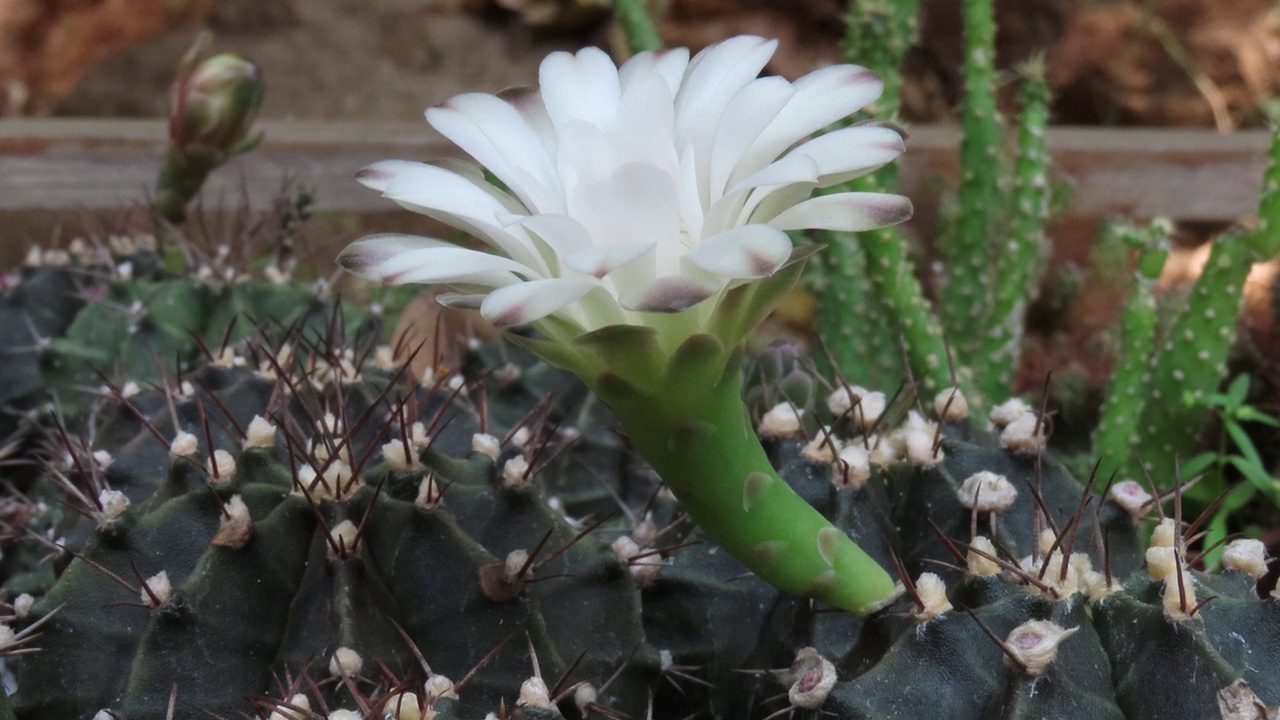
(848, 212)
(528, 301)
(667, 295)
(849, 152)
(752, 251)
(380, 174)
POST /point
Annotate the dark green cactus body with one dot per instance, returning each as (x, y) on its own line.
(436, 570)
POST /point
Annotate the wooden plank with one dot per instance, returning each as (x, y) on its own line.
(102, 164)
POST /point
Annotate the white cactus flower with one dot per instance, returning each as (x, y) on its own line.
(624, 191)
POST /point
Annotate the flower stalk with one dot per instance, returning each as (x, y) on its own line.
(692, 426)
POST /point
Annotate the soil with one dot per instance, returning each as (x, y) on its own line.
(1143, 62)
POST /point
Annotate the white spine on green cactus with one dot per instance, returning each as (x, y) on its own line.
(950, 405)
(184, 444)
(437, 687)
(870, 405)
(585, 697)
(102, 459)
(534, 693)
(884, 452)
(113, 503)
(1132, 497)
(22, 605)
(1008, 411)
(235, 526)
(515, 567)
(521, 437)
(987, 492)
(345, 662)
(982, 565)
(1179, 597)
(1098, 586)
(644, 570)
(486, 444)
(299, 707)
(342, 540)
(1161, 562)
(822, 448)
(404, 706)
(780, 421)
(430, 492)
(221, 468)
(1028, 433)
(852, 469)
(1247, 556)
(932, 593)
(157, 590)
(1166, 534)
(384, 358)
(1034, 645)
(515, 472)
(400, 456)
(921, 449)
(261, 433)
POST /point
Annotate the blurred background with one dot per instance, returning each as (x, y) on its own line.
(1200, 63)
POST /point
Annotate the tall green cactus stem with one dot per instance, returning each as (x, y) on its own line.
(1192, 360)
(967, 252)
(1021, 256)
(893, 281)
(637, 25)
(855, 320)
(689, 421)
(1114, 434)
(877, 35)
(1266, 237)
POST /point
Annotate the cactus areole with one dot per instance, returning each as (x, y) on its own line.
(638, 225)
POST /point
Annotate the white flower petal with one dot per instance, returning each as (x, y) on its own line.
(583, 86)
(563, 234)
(462, 301)
(640, 189)
(848, 212)
(821, 98)
(667, 295)
(746, 116)
(849, 152)
(600, 261)
(751, 251)
(369, 252)
(380, 174)
(667, 64)
(525, 302)
(498, 137)
(447, 264)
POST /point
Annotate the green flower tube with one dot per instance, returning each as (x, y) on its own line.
(638, 223)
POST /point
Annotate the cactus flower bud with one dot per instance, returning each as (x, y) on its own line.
(213, 105)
